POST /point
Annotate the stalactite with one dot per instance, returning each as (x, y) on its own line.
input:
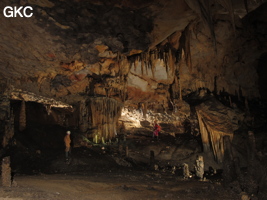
(135, 64)
(177, 75)
(142, 63)
(83, 117)
(176, 85)
(105, 113)
(22, 116)
(153, 64)
(125, 68)
(185, 46)
(147, 61)
(171, 61)
(119, 61)
(180, 89)
(166, 60)
(156, 54)
(150, 58)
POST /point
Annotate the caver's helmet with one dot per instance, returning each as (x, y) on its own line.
(68, 132)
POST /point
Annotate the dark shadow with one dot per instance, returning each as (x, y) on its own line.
(262, 73)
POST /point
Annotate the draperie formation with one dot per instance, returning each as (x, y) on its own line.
(105, 113)
(100, 114)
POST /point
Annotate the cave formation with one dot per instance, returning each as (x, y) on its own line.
(106, 70)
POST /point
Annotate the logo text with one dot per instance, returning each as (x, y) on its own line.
(18, 11)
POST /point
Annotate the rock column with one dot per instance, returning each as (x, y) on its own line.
(6, 172)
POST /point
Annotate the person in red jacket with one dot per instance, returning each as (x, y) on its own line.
(156, 130)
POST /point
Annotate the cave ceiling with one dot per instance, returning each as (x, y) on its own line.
(71, 48)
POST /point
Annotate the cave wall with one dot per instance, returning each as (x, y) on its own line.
(149, 53)
(75, 48)
(233, 64)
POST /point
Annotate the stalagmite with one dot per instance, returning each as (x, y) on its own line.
(199, 167)
(103, 140)
(6, 172)
(9, 130)
(22, 117)
(186, 172)
(173, 169)
(96, 139)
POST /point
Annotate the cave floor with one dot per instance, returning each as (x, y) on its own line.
(114, 185)
(105, 173)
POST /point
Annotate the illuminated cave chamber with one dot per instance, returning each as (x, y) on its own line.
(107, 71)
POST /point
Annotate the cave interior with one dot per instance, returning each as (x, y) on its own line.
(107, 71)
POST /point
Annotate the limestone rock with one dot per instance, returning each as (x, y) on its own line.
(216, 121)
